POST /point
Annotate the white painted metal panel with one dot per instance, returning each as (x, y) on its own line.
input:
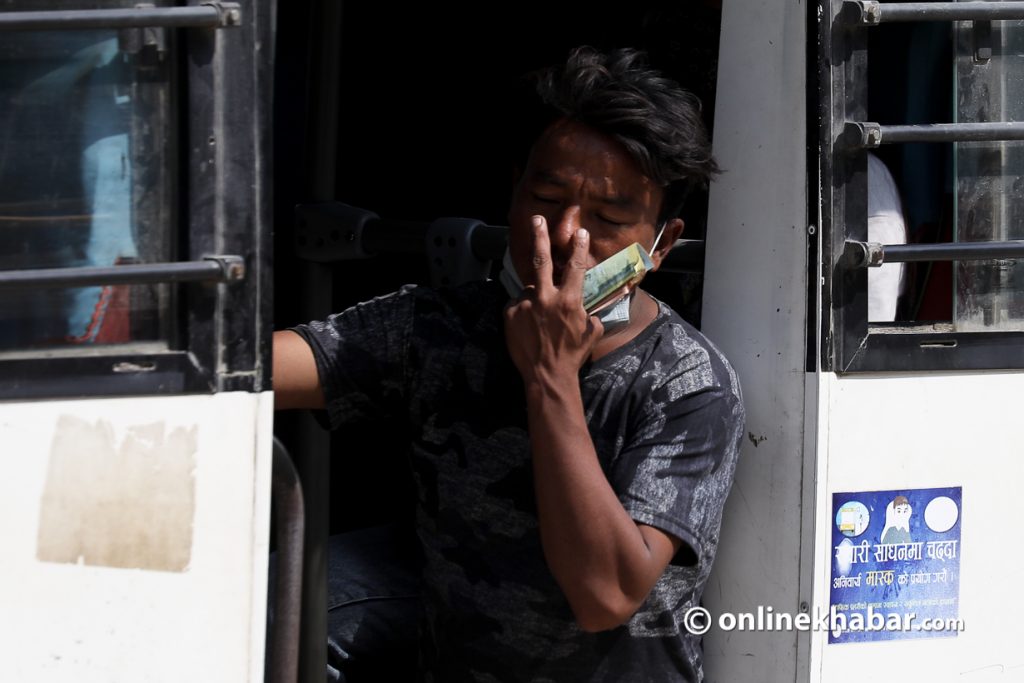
(134, 535)
(929, 431)
(754, 309)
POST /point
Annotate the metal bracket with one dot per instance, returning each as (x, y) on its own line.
(981, 31)
(860, 135)
(862, 255)
(331, 231)
(230, 13)
(232, 267)
(134, 40)
(870, 12)
(450, 252)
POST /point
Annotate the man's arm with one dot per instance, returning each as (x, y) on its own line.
(605, 563)
(296, 380)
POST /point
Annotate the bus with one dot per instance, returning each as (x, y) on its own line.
(179, 179)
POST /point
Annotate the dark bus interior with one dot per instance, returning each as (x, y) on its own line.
(423, 102)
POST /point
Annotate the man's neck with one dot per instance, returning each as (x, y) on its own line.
(642, 312)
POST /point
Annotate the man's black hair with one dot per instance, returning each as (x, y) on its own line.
(658, 122)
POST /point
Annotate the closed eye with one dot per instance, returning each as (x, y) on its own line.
(545, 200)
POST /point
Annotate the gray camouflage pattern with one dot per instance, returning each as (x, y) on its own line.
(666, 417)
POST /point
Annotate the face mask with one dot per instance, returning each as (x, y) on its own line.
(611, 315)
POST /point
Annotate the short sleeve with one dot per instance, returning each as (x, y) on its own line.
(677, 463)
(360, 357)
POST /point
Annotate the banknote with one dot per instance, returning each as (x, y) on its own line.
(614, 275)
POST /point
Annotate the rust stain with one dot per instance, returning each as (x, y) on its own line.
(129, 504)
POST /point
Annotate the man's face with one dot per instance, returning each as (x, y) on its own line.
(576, 177)
(902, 513)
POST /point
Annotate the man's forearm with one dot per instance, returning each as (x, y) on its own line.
(600, 557)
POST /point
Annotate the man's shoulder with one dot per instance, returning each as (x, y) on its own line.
(462, 309)
(408, 313)
(672, 351)
(466, 298)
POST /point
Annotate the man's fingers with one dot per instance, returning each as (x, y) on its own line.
(572, 279)
(541, 252)
(595, 327)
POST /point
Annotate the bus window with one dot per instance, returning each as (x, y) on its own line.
(86, 169)
(932, 96)
(130, 253)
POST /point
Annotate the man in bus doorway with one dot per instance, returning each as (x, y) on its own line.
(571, 468)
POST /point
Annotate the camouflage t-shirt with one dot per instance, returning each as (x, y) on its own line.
(665, 415)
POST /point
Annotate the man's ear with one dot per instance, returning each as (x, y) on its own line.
(673, 231)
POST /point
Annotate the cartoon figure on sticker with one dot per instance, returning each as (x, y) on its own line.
(897, 521)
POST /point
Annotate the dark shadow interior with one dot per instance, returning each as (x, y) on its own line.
(423, 124)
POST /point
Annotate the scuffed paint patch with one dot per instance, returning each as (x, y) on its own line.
(127, 504)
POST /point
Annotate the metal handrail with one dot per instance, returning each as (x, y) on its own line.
(331, 232)
(290, 527)
(872, 13)
(864, 134)
(207, 15)
(210, 269)
(873, 254)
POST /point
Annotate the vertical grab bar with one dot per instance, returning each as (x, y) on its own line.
(290, 527)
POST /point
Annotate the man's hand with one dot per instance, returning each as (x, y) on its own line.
(548, 333)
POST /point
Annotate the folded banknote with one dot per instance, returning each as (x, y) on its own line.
(613, 275)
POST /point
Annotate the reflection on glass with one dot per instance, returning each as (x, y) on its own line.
(989, 295)
(84, 181)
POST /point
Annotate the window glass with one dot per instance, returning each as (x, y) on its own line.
(86, 171)
(989, 295)
(910, 185)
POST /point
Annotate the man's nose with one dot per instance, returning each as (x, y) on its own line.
(562, 232)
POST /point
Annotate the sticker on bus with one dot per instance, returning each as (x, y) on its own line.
(895, 565)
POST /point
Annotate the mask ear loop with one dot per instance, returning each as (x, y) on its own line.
(657, 239)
